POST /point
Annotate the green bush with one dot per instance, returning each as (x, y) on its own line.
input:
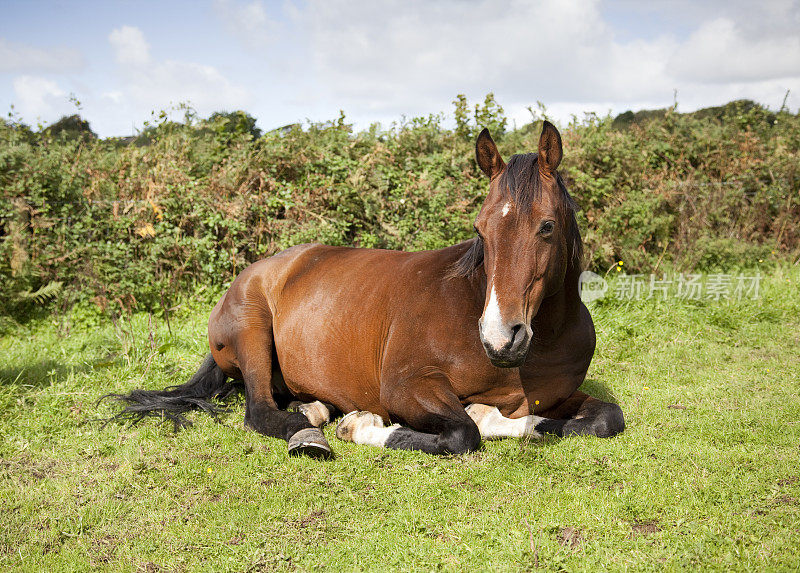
(136, 222)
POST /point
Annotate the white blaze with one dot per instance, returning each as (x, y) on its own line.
(506, 208)
(492, 329)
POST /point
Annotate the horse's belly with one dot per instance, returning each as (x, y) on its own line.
(323, 359)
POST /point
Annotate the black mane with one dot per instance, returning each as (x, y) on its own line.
(522, 183)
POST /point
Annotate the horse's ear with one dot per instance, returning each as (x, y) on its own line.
(550, 150)
(488, 157)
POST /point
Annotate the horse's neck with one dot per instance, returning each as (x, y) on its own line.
(561, 309)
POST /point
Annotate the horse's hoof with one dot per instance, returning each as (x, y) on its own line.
(479, 411)
(354, 421)
(310, 442)
(316, 412)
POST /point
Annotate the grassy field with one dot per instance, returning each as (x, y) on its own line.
(707, 474)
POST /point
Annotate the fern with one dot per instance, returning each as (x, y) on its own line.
(43, 294)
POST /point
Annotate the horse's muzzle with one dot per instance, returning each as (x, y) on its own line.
(512, 354)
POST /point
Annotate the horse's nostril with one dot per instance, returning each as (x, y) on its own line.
(516, 337)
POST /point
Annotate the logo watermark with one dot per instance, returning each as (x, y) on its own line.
(682, 286)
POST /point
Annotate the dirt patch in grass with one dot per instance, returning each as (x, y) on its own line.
(311, 521)
(28, 470)
(570, 537)
(468, 485)
(102, 550)
(639, 528)
(774, 504)
(273, 563)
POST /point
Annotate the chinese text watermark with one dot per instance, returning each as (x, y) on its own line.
(684, 286)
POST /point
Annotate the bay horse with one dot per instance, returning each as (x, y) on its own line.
(484, 339)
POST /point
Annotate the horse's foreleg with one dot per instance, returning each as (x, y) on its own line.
(493, 425)
(254, 353)
(584, 415)
(438, 423)
(366, 428)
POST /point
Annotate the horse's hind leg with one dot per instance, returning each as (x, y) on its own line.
(254, 355)
(318, 413)
(439, 424)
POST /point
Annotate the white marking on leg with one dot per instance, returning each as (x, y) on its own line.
(364, 428)
(492, 424)
(506, 208)
(492, 328)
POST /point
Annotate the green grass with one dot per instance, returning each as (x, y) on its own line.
(707, 474)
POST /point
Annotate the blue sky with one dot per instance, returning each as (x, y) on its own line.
(377, 60)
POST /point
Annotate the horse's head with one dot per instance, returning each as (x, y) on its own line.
(527, 234)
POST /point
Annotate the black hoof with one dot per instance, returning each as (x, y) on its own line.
(310, 442)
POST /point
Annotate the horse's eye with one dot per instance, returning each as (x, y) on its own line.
(547, 228)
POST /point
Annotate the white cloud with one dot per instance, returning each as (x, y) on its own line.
(248, 22)
(151, 85)
(719, 52)
(380, 60)
(40, 98)
(29, 59)
(113, 96)
(387, 56)
(130, 47)
(173, 82)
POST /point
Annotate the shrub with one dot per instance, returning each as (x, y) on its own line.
(134, 222)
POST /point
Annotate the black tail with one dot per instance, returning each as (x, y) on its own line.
(209, 382)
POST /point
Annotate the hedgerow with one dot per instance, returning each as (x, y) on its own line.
(135, 223)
